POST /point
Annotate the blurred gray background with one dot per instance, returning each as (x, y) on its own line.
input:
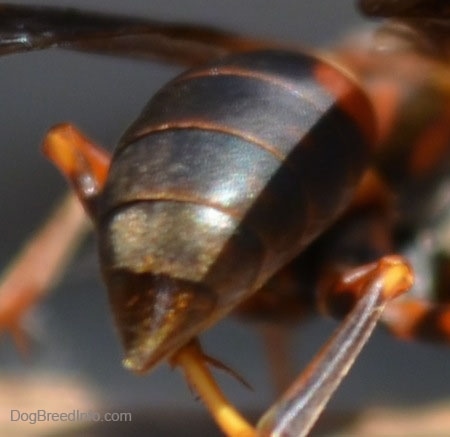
(73, 334)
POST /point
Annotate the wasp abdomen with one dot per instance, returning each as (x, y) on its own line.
(255, 154)
(241, 136)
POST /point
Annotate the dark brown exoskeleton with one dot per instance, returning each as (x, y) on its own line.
(258, 181)
(401, 203)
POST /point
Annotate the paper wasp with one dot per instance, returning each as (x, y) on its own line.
(302, 125)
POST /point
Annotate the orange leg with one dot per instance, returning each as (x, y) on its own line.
(83, 163)
(298, 408)
(340, 289)
(277, 343)
(193, 362)
(37, 266)
(426, 318)
(411, 319)
(40, 262)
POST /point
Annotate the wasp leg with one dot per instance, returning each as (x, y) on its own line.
(83, 163)
(43, 258)
(298, 409)
(193, 362)
(25, 28)
(277, 344)
(420, 318)
(37, 266)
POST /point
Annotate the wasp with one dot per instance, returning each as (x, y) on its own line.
(264, 181)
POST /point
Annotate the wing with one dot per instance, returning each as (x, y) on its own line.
(406, 8)
(26, 28)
